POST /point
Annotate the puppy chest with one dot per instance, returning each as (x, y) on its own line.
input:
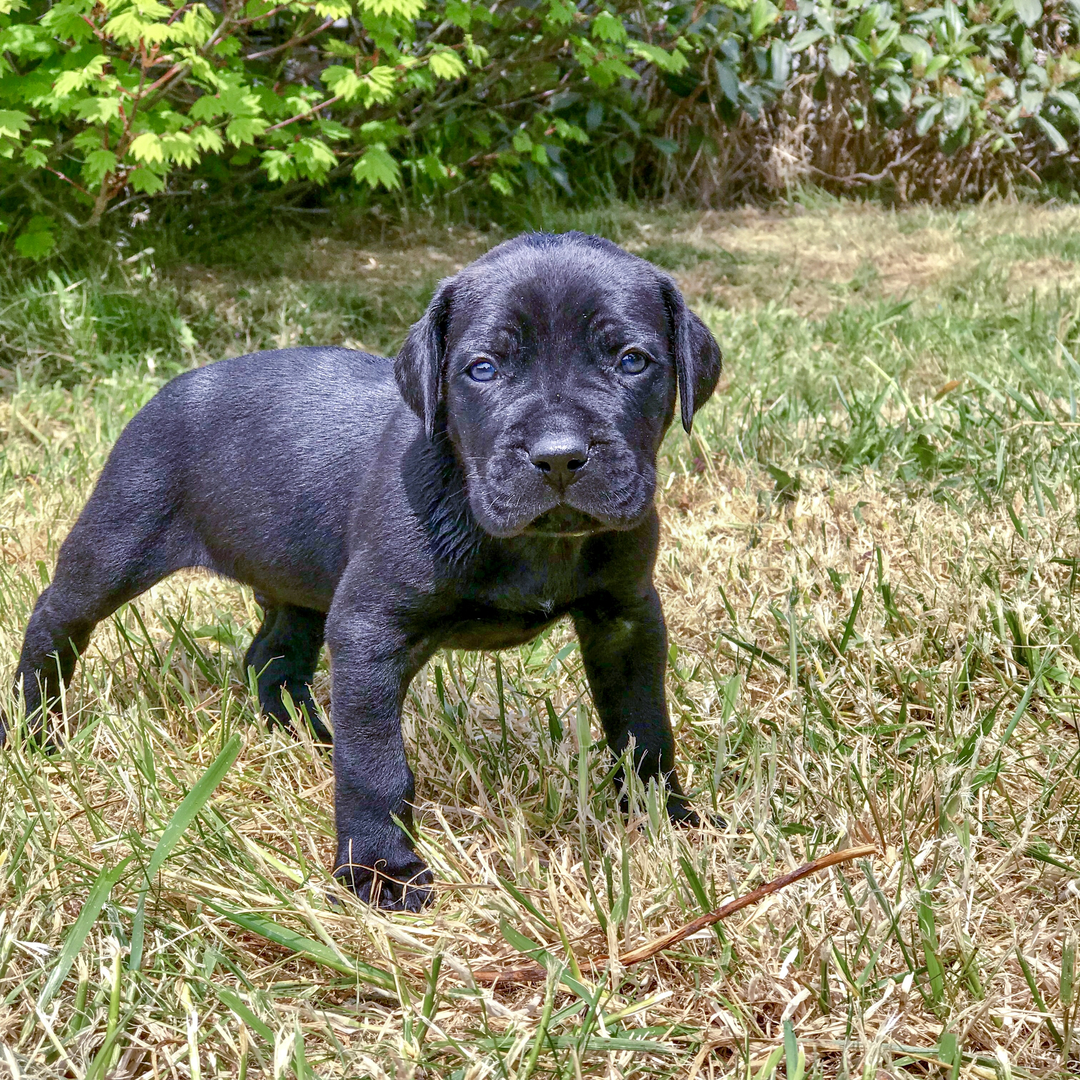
(482, 627)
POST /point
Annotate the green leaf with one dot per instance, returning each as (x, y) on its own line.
(937, 64)
(763, 14)
(608, 27)
(377, 167)
(501, 183)
(337, 47)
(1057, 140)
(570, 132)
(147, 147)
(36, 240)
(780, 61)
(317, 951)
(839, 59)
(145, 180)
(70, 81)
(208, 107)
(344, 81)
(918, 47)
(27, 41)
(77, 935)
(208, 138)
(381, 82)
(98, 110)
(671, 62)
(128, 28)
(1029, 12)
(955, 110)
(477, 54)
(333, 9)
(12, 122)
(544, 958)
(867, 22)
(279, 166)
(728, 79)
(1069, 100)
(181, 148)
(446, 64)
(433, 168)
(384, 133)
(459, 13)
(407, 9)
(927, 118)
(561, 12)
(194, 28)
(314, 159)
(98, 164)
(804, 39)
(245, 129)
(193, 803)
(934, 971)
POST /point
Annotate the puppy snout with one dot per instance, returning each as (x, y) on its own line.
(561, 461)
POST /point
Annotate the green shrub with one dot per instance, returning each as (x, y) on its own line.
(107, 101)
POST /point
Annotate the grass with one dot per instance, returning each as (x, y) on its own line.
(869, 570)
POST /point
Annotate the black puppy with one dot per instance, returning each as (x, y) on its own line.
(496, 476)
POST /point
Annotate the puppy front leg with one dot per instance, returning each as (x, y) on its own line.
(624, 646)
(372, 662)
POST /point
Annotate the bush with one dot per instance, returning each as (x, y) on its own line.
(107, 101)
(940, 101)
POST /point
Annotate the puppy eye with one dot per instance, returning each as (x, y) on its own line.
(633, 362)
(482, 371)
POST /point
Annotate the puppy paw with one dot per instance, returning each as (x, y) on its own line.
(681, 813)
(401, 885)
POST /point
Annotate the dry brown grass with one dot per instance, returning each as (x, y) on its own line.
(939, 722)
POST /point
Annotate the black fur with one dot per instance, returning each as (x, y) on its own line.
(395, 508)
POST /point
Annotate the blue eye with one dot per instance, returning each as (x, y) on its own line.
(633, 362)
(482, 371)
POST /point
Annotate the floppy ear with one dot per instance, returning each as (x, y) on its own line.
(697, 356)
(418, 367)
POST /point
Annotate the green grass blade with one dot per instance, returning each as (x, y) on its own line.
(849, 626)
(246, 1014)
(307, 947)
(185, 814)
(192, 803)
(78, 934)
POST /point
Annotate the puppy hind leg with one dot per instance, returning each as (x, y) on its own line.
(270, 613)
(284, 655)
(95, 574)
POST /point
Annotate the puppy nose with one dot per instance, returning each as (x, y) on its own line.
(560, 461)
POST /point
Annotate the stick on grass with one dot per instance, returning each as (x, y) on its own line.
(528, 973)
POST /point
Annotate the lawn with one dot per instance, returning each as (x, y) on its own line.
(869, 568)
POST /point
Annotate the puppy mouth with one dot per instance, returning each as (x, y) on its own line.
(564, 521)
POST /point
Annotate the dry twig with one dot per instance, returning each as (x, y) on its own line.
(536, 973)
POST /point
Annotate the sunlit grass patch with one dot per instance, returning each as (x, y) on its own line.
(869, 570)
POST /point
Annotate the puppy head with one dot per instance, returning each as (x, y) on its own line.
(553, 364)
